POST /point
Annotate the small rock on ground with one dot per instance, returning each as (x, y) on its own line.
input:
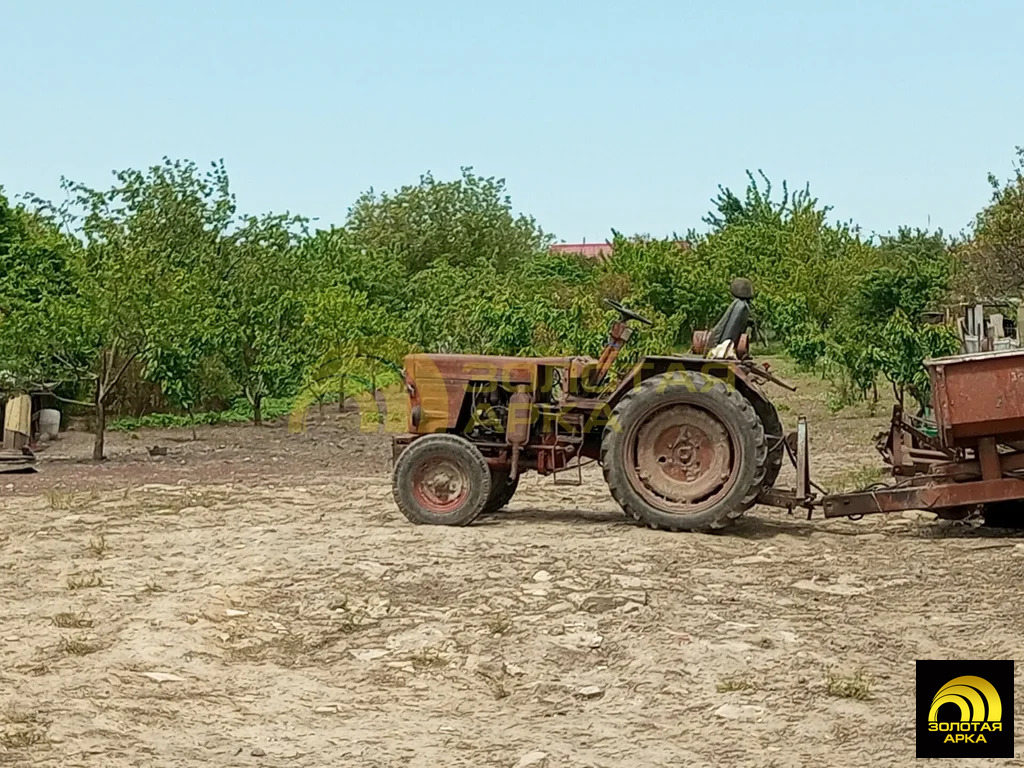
(534, 759)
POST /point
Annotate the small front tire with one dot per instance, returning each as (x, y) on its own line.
(441, 479)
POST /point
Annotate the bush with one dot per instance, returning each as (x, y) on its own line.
(239, 413)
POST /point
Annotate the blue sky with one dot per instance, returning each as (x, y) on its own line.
(598, 114)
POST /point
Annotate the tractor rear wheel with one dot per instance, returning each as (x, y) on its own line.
(441, 480)
(684, 452)
(502, 490)
(772, 426)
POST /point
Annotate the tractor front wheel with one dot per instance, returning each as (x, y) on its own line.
(684, 452)
(441, 480)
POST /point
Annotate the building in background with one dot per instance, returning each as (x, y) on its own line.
(597, 251)
(988, 324)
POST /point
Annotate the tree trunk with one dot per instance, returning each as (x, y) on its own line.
(898, 394)
(341, 394)
(257, 410)
(382, 409)
(101, 427)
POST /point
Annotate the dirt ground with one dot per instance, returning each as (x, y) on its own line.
(254, 598)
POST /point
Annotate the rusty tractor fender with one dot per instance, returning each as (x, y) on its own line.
(732, 372)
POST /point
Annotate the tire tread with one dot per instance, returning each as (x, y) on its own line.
(747, 419)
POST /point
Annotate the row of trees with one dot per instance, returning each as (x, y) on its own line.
(160, 278)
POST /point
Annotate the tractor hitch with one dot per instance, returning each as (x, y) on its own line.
(805, 493)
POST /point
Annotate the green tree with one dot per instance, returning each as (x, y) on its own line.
(994, 255)
(35, 277)
(260, 301)
(341, 328)
(802, 264)
(757, 206)
(33, 257)
(456, 222)
(880, 329)
(901, 347)
(129, 288)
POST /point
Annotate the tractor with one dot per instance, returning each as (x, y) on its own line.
(686, 442)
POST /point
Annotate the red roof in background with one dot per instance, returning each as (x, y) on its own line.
(596, 250)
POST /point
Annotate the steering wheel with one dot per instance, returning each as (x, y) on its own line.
(627, 313)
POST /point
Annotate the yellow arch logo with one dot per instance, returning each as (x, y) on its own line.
(976, 697)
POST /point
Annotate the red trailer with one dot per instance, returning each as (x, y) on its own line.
(970, 458)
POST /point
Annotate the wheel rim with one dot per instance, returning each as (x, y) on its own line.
(681, 459)
(440, 485)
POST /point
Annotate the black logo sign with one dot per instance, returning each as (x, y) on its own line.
(965, 709)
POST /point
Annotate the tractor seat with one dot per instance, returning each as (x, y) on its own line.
(731, 325)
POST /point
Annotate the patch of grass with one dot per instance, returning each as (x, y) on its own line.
(287, 649)
(428, 658)
(856, 686)
(395, 408)
(60, 499)
(69, 646)
(22, 736)
(67, 500)
(72, 621)
(98, 545)
(499, 623)
(239, 413)
(85, 580)
(498, 689)
(856, 478)
(734, 683)
(19, 715)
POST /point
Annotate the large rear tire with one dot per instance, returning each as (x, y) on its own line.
(773, 433)
(502, 490)
(441, 480)
(684, 452)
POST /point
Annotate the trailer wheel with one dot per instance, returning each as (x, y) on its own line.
(1004, 514)
(502, 490)
(956, 514)
(441, 480)
(683, 452)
